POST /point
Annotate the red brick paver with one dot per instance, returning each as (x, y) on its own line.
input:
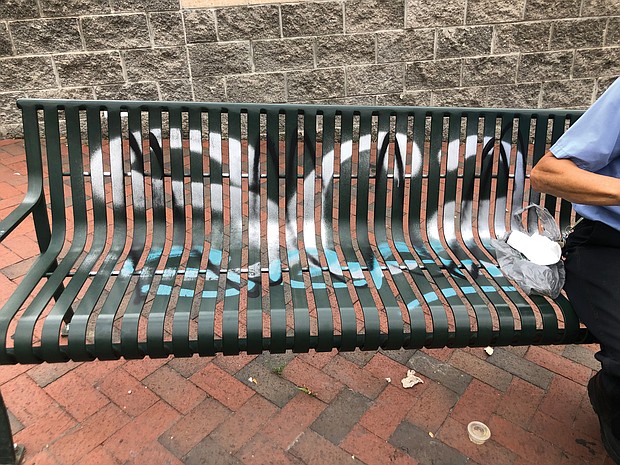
(201, 410)
(222, 386)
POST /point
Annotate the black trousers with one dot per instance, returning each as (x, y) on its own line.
(592, 265)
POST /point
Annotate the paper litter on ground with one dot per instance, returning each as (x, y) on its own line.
(411, 379)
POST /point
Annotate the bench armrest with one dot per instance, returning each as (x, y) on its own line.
(8, 224)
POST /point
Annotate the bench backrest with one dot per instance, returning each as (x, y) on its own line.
(317, 196)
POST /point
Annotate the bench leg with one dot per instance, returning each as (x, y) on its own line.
(10, 454)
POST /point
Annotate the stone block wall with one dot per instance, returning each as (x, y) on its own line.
(507, 53)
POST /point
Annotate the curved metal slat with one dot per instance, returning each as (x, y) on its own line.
(97, 248)
(133, 312)
(214, 215)
(487, 197)
(254, 314)
(484, 335)
(466, 230)
(187, 293)
(417, 324)
(459, 240)
(372, 329)
(518, 194)
(105, 322)
(159, 307)
(421, 267)
(540, 148)
(79, 323)
(392, 310)
(572, 331)
(440, 320)
(447, 232)
(348, 320)
(572, 328)
(547, 312)
(324, 316)
(277, 306)
(371, 335)
(230, 316)
(24, 331)
(51, 328)
(301, 315)
(503, 174)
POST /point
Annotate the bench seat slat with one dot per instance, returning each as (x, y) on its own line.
(155, 253)
(367, 302)
(301, 315)
(183, 311)
(230, 312)
(99, 234)
(157, 314)
(345, 300)
(77, 336)
(26, 325)
(346, 230)
(443, 290)
(383, 154)
(254, 309)
(54, 284)
(47, 261)
(400, 248)
(277, 304)
(324, 315)
(209, 296)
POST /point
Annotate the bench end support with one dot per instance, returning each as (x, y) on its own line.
(10, 453)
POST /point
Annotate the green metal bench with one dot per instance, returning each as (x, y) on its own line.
(196, 228)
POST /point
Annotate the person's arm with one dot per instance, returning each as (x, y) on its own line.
(562, 178)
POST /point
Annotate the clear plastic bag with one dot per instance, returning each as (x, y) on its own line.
(545, 280)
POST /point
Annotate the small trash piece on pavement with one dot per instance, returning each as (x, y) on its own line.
(411, 379)
(389, 380)
(306, 390)
(489, 350)
(478, 432)
(430, 433)
(252, 380)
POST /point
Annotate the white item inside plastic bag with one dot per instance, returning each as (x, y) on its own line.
(532, 277)
(538, 249)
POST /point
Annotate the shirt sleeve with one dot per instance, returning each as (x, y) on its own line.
(594, 139)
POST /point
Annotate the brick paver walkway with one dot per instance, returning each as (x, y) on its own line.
(313, 408)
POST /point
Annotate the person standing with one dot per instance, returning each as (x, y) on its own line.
(583, 167)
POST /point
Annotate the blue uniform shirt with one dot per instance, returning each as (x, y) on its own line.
(593, 144)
